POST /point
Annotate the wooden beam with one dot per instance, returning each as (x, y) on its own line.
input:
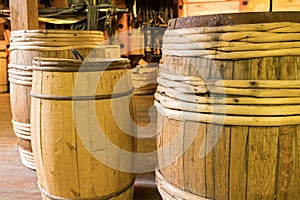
(123, 28)
(24, 14)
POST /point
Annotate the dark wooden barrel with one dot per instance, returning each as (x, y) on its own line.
(25, 46)
(229, 105)
(67, 116)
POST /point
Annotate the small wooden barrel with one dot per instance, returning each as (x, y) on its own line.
(25, 46)
(3, 70)
(144, 79)
(65, 138)
(229, 103)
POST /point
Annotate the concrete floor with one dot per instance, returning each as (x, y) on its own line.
(19, 182)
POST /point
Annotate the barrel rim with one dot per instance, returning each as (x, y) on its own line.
(55, 31)
(224, 19)
(73, 65)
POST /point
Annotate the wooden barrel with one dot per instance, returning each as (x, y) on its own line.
(144, 82)
(144, 79)
(25, 46)
(65, 153)
(3, 70)
(229, 107)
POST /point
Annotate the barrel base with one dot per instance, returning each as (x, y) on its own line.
(23, 133)
(27, 158)
(126, 195)
(170, 192)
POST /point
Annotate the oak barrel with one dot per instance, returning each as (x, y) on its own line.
(71, 104)
(25, 46)
(229, 107)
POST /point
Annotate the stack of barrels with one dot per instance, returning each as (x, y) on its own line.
(229, 106)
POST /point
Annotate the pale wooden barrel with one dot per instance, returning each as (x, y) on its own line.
(25, 46)
(3, 70)
(250, 150)
(144, 78)
(66, 169)
(144, 82)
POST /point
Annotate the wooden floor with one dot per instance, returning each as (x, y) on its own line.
(19, 182)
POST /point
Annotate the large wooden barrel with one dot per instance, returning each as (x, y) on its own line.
(70, 105)
(25, 46)
(3, 70)
(229, 107)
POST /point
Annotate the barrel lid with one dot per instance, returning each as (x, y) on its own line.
(233, 19)
(74, 65)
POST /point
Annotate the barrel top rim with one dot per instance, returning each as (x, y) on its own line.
(55, 31)
(224, 19)
(88, 60)
(73, 65)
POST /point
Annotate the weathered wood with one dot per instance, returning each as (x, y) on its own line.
(221, 161)
(238, 162)
(24, 14)
(229, 119)
(262, 163)
(229, 100)
(176, 147)
(254, 156)
(232, 19)
(270, 27)
(247, 110)
(194, 166)
(295, 190)
(209, 162)
(286, 164)
(160, 144)
(221, 42)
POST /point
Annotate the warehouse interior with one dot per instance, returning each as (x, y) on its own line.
(150, 100)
